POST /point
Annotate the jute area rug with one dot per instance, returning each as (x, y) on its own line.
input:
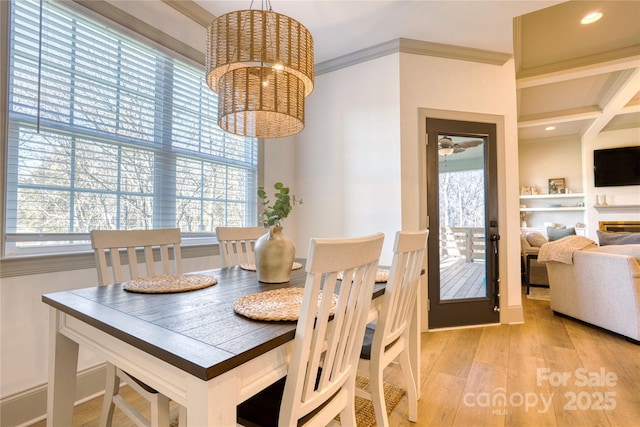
(365, 415)
(536, 292)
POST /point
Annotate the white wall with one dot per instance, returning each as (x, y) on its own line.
(551, 158)
(348, 156)
(280, 166)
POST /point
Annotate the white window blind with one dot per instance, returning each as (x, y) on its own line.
(105, 132)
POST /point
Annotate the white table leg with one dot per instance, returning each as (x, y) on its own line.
(63, 365)
(213, 402)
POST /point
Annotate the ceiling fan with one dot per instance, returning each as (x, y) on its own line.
(446, 146)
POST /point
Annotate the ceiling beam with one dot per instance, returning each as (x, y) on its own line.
(576, 73)
(570, 115)
(618, 101)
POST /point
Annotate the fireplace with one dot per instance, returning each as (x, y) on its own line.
(619, 226)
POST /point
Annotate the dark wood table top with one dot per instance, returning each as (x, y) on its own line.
(196, 331)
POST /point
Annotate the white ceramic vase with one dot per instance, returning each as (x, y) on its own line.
(274, 256)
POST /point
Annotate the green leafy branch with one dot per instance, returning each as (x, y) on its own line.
(273, 214)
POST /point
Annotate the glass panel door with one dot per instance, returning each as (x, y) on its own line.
(462, 205)
(462, 217)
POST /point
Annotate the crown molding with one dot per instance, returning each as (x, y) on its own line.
(462, 53)
(414, 47)
(357, 57)
(202, 17)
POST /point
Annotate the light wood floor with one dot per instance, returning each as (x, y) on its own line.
(594, 377)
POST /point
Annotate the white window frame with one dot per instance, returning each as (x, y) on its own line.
(12, 238)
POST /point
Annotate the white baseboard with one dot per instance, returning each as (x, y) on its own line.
(458, 328)
(514, 315)
(30, 406)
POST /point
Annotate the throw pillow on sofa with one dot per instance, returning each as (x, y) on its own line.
(559, 233)
(617, 238)
(536, 239)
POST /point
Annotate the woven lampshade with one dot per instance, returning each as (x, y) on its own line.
(261, 65)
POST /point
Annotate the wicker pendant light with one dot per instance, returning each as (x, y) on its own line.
(261, 65)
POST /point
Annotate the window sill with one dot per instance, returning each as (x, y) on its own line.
(41, 264)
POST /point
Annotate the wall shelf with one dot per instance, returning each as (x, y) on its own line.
(541, 197)
(552, 196)
(553, 209)
(611, 208)
(565, 209)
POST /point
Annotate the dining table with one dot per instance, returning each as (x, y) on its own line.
(191, 346)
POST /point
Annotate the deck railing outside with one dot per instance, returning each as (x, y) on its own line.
(463, 242)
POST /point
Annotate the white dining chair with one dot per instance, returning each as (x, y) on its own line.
(388, 339)
(237, 244)
(320, 382)
(121, 248)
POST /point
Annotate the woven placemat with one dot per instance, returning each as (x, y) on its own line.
(276, 304)
(382, 275)
(251, 266)
(168, 283)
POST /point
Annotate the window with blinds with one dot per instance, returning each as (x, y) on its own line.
(105, 132)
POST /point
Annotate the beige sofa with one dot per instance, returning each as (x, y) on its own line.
(602, 288)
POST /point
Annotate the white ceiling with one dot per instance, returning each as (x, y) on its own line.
(580, 79)
(342, 27)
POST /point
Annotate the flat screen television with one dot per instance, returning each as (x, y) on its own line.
(616, 166)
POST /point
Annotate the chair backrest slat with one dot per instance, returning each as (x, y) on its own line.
(116, 265)
(402, 287)
(132, 262)
(237, 244)
(117, 243)
(326, 347)
(148, 260)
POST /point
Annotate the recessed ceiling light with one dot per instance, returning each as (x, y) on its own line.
(591, 18)
(550, 128)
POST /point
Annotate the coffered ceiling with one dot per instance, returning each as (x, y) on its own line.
(580, 79)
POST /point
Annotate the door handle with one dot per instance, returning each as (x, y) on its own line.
(494, 238)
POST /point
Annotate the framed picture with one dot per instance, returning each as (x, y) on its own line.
(525, 191)
(556, 186)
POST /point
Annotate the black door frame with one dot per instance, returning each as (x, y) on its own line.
(452, 313)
